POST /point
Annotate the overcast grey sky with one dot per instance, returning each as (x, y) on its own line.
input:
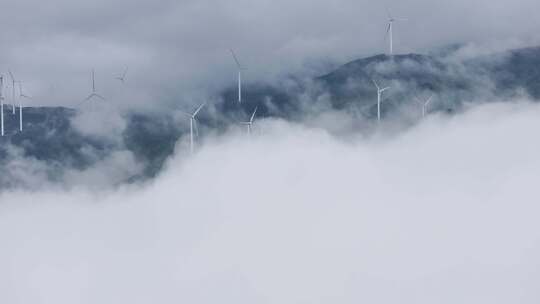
(178, 48)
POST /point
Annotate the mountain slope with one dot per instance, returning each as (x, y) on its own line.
(53, 144)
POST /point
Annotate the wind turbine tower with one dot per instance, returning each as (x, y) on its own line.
(379, 95)
(193, 126)
(424, 104)
(240, 68)
(249, 123)
(2, 104)
(21, 96)
(390, 30)
(12, 90)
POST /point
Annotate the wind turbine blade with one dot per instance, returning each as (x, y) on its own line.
(388, 13)
(99, 96)
(93, 82)
(125, 72)
(185, 113)
(195, 125)
(11, 75)
(236, 59)
(387, 31)
(200, 107)
(87, 98)
(387, 88)
(253, 116)
(375, 83)
(429, 100)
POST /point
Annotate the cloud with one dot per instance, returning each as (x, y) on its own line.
(89, 149)
(26, 172)
(179, 48)
(99, 121)
(104, 174)
(443, 212)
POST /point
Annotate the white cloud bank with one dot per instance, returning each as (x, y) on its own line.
(444, 213)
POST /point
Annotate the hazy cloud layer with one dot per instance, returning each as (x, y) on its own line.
(177, 51)
(327, 209)
(445, 212)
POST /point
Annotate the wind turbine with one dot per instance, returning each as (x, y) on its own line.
(94, 93)
(240, 68)
(21, 96)
(12, 90)
(389, 30)
(193, 125)
(123, 77)
(424, 104)
(249, 123)
(2, 104)
(379, 95)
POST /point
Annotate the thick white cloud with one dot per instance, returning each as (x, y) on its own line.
(445, 212)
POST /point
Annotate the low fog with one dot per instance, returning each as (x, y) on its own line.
(444, 212)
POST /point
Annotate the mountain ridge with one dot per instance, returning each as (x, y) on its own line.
(50, 136)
